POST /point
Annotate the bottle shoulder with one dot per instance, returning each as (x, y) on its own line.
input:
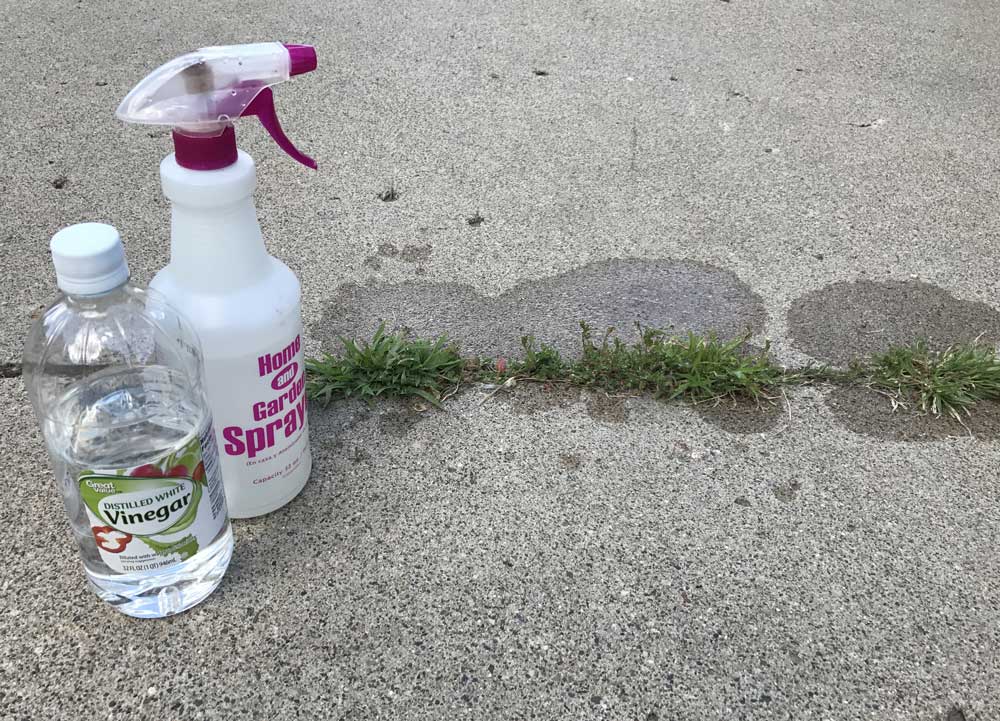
(130, 328)
(277, 284)
(131, 321)
(274, 299)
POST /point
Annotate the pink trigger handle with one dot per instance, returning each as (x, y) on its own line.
(263, 107)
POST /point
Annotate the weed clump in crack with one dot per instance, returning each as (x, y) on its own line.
(698, 368)
(946, 382)
(694, 368)
(541, 363)
(390, 365)
(668, 367)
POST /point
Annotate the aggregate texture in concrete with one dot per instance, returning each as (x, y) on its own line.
(820, 174)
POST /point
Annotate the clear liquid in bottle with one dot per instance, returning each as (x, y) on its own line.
(116, 379)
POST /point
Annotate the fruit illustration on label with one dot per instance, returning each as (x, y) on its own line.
(147, 471)
(110, 539)
(153, 507)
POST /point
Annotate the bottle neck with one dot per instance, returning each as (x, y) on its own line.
(90, 301)
(220, 248)
(215, 240)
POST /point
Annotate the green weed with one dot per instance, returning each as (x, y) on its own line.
(390, 365)
(541, 362)
(692, 367)
(940, 382)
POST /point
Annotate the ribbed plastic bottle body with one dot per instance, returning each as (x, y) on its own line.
(245, 306)
(116, 383)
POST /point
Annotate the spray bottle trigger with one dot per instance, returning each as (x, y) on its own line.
(263, 107)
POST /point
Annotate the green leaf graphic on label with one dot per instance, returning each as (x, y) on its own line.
(184, 461)
(192, 510)
(185, 547)
(142, 506)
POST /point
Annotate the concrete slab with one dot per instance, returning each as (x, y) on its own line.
(484, 562)
(552, 556)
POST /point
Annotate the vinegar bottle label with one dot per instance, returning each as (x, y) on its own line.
(149, 517)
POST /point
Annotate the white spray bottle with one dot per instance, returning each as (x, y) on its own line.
(244, 303)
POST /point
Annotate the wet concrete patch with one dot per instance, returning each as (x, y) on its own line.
(527, 399)
(400, 420)
(742, 416)
(787, 492)
(847, 320)
(531, 398)
(865, 412)
(392, 417)
(415, 253)
(682, 295)
(606, 408)
(570, 461)
(407, 254)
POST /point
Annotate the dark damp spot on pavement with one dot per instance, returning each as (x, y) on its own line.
(682, 295)
(742, 416)
(786, 492)
(605, 408)
(857, 319)
(955, 714)
(10, 370)
(399, 421)
(527, 399)
(391, 417)
(407, 254)
(846, 320)
(868, 413)
(359, 455)
(415, 253)
(570, 460)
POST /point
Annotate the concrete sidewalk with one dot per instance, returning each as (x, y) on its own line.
(822, 174)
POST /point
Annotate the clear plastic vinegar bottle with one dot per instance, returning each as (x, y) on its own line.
(116, 380)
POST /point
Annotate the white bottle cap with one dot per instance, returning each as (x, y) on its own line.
(89, 259)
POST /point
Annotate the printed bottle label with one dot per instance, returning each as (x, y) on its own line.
(265, 435)
(153, 516)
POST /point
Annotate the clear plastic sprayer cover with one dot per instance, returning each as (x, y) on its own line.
(204, 90)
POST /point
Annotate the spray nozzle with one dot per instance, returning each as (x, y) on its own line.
(201, 94)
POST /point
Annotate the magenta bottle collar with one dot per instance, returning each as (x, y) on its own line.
(205, 152)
